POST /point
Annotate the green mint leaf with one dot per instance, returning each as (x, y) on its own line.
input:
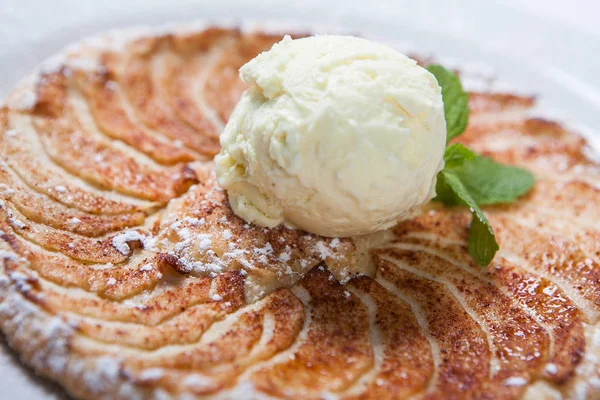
(444, 192)
(456, 101)
(456, 155)
(491, 183)
(482, 242)
(469, 179)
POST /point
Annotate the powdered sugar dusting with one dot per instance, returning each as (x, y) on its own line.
(52, 65)
(56, 355)
(24, 101)
(112, 85)
(120, 241)
(104, 375)
(197, 381)
(74, 221)
(146, 267)
(152, 374)
(21, 281)
(322, 250)
(515, 381)
(7, 255)
(11, 217)
(204, 242)
(266, 250)
(284, 257)
(17, 222)
(551, 368)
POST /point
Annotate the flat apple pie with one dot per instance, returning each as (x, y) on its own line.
(126, 275)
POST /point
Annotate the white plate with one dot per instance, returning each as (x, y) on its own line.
(540, 56)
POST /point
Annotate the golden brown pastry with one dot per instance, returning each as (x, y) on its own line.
(126, 275)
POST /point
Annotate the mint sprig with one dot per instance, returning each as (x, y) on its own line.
(470, 179)
(456, 154)
(456, 101)
(482, 241)
(491, 183)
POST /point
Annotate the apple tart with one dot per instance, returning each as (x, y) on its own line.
(126, 275)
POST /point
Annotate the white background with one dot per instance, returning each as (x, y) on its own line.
(547, 47)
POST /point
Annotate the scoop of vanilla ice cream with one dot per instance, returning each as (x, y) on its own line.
(337, 135)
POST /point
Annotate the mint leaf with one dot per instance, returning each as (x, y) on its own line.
(473, 180)
(444, 192)
(469, 179)
(482, 242)
(491, 183)
(456, 154)
(456, 101)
